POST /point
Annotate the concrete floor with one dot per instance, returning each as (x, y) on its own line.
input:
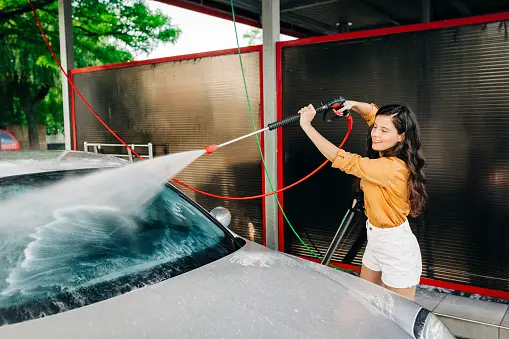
(467, 317)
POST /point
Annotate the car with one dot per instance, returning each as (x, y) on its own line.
(92, 250)
(8, 141)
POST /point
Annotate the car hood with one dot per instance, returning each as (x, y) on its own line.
(252, 293)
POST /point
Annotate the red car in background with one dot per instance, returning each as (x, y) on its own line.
(8, 142)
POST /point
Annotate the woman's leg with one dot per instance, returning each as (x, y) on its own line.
(372, 276)
(376, 278)
(408, 293)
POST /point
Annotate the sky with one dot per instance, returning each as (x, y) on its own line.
(200, 33)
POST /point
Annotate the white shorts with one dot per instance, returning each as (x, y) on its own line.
(396, 253)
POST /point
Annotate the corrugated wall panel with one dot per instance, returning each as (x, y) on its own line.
(180, 106)
(456, 80)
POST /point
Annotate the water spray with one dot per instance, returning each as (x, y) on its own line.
(335, 103)
(212, 148)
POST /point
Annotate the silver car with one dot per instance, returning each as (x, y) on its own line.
(73, 264)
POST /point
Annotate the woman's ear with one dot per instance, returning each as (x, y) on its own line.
(401, 137)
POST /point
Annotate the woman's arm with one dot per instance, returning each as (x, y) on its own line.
(364, 109)
(379, 171)
(327, 148)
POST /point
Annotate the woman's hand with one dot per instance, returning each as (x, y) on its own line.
(327, 148)
(348, 104)
(306, 115)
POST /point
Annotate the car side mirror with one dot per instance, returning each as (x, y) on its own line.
(222, 215)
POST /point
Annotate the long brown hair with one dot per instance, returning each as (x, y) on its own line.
(409, 150)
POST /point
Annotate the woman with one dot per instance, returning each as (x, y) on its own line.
(394, 187)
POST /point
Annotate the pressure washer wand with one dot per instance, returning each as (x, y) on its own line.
(335, 103)
(243, 137)
(212, 148)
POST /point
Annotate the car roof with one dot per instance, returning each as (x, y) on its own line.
(26, 162)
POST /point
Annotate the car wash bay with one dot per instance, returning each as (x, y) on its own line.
(453, 73)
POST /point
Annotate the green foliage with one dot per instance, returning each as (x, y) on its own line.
(105, 31)
(254, 36)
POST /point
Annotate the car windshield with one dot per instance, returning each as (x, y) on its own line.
(81, 257)
(6, 139)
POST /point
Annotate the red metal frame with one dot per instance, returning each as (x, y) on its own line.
(466, 288)
(433, 282)
(365, 34)
(249, 49)
(73, 114)
(399, 29)
(279, 131)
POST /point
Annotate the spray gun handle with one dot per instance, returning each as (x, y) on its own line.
(331, 118)
(335, 103)
(285, 121)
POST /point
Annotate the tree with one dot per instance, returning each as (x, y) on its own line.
(254, 36)
(105, 31)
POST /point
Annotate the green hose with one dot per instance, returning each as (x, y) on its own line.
(261, 153)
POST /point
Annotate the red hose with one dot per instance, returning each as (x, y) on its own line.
(349, 119)
(350, 124)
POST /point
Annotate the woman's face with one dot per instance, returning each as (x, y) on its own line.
(384, 134)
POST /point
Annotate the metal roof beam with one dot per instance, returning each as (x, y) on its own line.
(380, 11)
(302, 4)
(243, 4)
(305, 22)
(290, 18)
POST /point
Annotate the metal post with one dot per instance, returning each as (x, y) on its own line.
(345, 224)
(130, 153)
(271, 32)
(67, 60)
(85, 146)
(150, 151)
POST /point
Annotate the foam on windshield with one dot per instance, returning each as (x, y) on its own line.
(81, 230)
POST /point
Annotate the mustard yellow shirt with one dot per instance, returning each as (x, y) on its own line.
(383, 181)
